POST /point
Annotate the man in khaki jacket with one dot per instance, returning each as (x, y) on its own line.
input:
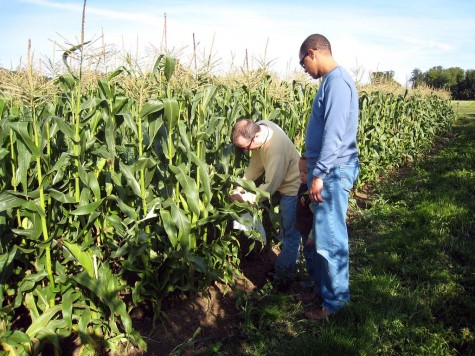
(274, 156)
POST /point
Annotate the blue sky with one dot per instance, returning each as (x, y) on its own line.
(366, 35)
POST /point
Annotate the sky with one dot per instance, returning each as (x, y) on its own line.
(366, 35)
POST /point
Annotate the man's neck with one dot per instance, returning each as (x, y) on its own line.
(266, 134)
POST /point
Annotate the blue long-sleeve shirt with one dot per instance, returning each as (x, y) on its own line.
(333, 124)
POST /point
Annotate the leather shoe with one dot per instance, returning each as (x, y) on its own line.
(309, 297)
(317, 314)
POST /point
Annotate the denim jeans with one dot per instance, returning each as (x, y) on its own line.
(285, 263)
(331, 236)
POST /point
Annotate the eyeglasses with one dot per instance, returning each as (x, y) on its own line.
(248, 147)
(303, 58)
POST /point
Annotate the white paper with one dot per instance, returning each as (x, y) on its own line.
(247, 224)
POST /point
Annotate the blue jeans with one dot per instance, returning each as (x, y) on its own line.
(285, 263)
(331, 236)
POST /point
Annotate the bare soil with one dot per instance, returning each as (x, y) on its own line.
(213, 315)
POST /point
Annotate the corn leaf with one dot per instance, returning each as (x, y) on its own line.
(151, 106)
(87, 208)
(9, 201)
(110, 134)
(128, 172)
(61, 197)
(169, 67)
(23, 161)
(190, 189)
(169, 226)
(183, 224)
(42, 321)
(21, 128)
(204, 175)
(170, 113)
(84, 257)
(64, 127)
(94, 185)
(67, 300)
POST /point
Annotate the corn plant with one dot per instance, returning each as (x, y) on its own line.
(118, 190)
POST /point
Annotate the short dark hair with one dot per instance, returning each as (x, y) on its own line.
(245, 128)
(315, 41)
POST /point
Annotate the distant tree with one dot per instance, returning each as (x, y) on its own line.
(466, 89)
(436, 77)
(417, 78)
(460, 84)
(456, 76)
(382, 77)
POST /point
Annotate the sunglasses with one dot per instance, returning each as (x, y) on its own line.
(301, 61)
(306, 54)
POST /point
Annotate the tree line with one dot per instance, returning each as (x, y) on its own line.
(460, 83)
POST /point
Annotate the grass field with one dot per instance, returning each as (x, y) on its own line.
(464, 108)
(412, 269)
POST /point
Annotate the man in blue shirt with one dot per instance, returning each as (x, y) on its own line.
(332, 161)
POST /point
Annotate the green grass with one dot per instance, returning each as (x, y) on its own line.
(464, 108)
(412, 269)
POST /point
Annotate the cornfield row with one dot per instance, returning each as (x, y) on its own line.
(118, 191)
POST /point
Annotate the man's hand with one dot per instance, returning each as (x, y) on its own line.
(236, 197)
(315, 191)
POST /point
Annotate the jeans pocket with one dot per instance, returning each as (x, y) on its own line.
(348, 175)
